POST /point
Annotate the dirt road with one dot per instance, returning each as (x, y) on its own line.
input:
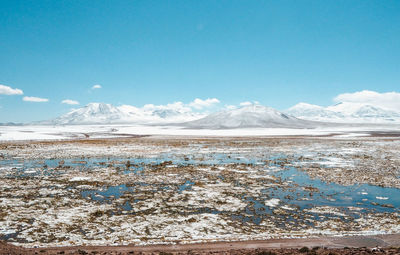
(330, 245)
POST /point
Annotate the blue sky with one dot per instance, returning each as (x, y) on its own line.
(276, 52)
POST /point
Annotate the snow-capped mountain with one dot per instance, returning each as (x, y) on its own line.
(302, 115)
(344, 112)
(93, 113)
(156, 114)
(313, 112)
(249, 116)
(357, 110)
(101, 113)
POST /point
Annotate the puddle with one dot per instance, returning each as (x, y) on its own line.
(106, 194)
(335, 195)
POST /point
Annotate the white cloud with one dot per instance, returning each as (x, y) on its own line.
(200, 103)
(97, 86)
(6, 90)
(35, 99)
(69, 101)
(230, 107)
(247, 103)
(388, 100)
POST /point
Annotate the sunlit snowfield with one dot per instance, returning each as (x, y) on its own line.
(161, 189)
(57, 132)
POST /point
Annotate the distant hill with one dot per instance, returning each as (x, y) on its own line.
(11, 124)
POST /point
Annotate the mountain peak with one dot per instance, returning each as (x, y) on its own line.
(99, 106)
(92, 113)
(248, 116)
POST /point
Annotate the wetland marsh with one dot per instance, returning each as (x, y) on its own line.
(160, 190)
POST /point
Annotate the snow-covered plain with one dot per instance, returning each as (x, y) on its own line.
(47, 132)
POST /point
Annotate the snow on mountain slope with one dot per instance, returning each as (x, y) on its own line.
(249, 116)
(366, 112)
(93, 113)
(344, 112)
(154, 114)
(314, 112)
(100, 113)
(298, 116)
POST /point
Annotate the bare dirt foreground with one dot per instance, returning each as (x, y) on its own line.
(382, 244)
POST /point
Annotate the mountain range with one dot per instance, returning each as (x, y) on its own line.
(345, 112)
(302, 115)
(101, 113)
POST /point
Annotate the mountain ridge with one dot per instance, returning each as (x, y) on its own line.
(102, 113)
(301, 115)
(344, 112)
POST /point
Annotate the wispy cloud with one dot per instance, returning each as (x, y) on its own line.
(389, 100)
(200, 103)
(35, 99)
(97, 86)
(230, 107)
(247, 103)
(69, 101)
(6, 90)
